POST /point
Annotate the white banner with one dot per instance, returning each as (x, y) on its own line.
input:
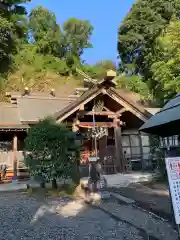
(173, 171)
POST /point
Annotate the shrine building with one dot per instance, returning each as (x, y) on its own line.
(99, 111)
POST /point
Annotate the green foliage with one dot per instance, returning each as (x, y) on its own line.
(28, 56)
(135, 84)
(54, 152)
(106, 64)
(158, 154)
(35, 47)
(166, 70)
(76, 35)
(6, 45)
(98, 70)
(139, 30)
(138, 43)
(40, 51)
(13, 30)
(46, 32)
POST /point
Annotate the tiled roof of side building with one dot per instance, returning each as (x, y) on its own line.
(31, 110)
(9, 117)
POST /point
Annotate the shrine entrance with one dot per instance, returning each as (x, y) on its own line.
(104, 144)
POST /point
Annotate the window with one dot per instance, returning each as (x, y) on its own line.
(125, 141)
(145, 140)
(136, 151)
(169, 141)
(146, 150)
(131, 146)
(134, 140)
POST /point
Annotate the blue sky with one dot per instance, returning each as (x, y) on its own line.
(104, 15)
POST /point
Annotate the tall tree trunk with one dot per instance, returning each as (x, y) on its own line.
(42, 184)
(54, 184)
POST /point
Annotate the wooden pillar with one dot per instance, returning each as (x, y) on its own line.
(141, 150)
(102, 147)
(15, 141)
(118, 144)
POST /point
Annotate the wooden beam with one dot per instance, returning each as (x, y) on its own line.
(78, 106)
(100, 113)
(130, 108)
(118, 144)
(81, 108)
(107, 109)
(98, 124)
(121, 111)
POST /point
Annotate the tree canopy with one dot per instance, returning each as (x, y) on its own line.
(13, 30)
(53, 151)
(35, 50)
(140, 39)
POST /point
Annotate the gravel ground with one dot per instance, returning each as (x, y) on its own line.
(24, 217)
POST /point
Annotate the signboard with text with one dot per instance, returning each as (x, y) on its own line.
(173, 171)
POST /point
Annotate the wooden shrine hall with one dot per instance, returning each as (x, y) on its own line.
(99, 111)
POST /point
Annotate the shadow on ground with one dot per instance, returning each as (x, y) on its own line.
(30, 217)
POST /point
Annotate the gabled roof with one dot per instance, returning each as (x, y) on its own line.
(167, 121)
(91, 94)
(135, 105)
(72, 106)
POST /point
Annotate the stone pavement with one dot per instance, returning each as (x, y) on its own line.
(149, 225)
(155, 200)
(123, 180)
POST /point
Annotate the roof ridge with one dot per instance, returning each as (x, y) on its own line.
(9, 105)
(47, 98)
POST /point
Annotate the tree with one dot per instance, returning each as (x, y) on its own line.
(54, 152)
(138, 32)
(77, 35)
(46, 32)
(166, 70)
(13, 30)
(6, 43)
(107, 64)
(99, 70)
(135, 84)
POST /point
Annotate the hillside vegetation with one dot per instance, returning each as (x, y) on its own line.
(37, 52)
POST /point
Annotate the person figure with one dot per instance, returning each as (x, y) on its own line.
(102, 182)
(3, 171)
(94, 177)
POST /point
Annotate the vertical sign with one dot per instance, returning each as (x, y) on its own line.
(173, 171)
